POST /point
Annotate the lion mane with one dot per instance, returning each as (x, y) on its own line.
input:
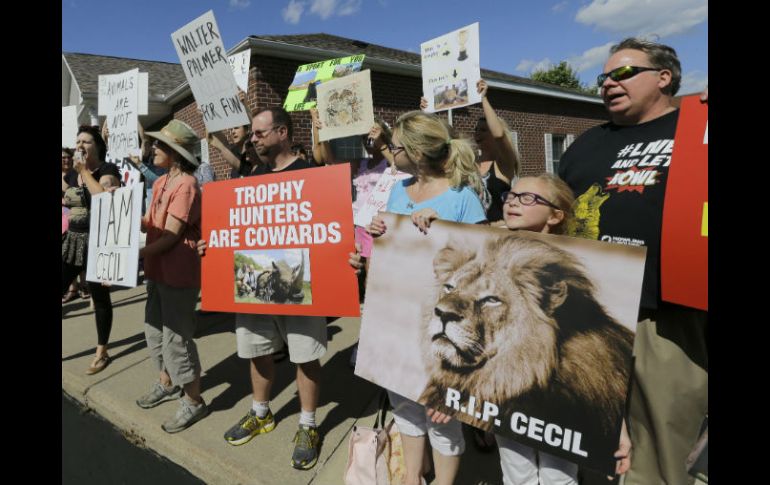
(517, 324)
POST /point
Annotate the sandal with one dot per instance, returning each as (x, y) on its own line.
(69, 296)
(100, 365)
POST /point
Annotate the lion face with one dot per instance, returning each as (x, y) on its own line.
(490, 304)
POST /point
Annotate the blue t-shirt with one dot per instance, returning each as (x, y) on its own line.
(456, 204)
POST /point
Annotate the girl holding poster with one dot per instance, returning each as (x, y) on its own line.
(444, 185)
(542, 204)
(172, 268)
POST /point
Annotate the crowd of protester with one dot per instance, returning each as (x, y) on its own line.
(442, 175)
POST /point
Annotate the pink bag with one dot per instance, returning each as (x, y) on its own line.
(369, 451)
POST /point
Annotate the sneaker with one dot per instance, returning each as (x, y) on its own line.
(248, 427)
(306, 443)
(159, 394)
(185, 416)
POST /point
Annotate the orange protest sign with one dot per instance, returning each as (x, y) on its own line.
(278, 244)
(684, 240)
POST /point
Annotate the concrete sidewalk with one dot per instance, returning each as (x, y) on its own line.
(201, 449)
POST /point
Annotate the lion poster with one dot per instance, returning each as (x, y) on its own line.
(527, 335)
(266, 234)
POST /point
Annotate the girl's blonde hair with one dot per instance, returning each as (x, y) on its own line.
(428, 142)
(560, 195)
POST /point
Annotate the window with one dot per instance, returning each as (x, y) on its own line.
(348, 148)
(555, 146)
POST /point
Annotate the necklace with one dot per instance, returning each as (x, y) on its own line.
(165, 183)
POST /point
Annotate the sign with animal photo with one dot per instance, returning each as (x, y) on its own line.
(684, 250)
(451, 69)
(345, 106)
(268, 234)
(113, 242)
(524, 334)
(303, 89)
(207, 69)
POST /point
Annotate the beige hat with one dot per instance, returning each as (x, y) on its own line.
(180, 137)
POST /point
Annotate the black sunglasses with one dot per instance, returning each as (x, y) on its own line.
(622, 73)
(526, 198)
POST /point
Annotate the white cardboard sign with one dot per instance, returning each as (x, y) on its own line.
(450, 69)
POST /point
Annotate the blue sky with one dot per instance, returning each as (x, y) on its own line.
(516, 35)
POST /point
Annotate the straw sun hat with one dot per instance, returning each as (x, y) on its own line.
(180, 137)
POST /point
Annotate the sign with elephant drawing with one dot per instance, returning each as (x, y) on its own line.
(524, 334)
(267, 234)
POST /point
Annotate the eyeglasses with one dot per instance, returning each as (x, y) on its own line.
(622, 73)
(261, 133)
(395, 149)
(526, 198)
(159, 144)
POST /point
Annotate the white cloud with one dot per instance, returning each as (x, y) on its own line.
(643, 18)
(327, 8)
(293, 11)
(560, 7)
(240, 3)
(323, 8)
(693, 82)
(529, 66)
(591, 58)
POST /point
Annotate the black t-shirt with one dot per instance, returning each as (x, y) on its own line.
(618, 174)
(496, 187)
(71, 179)
(105, 168)
(297, 164)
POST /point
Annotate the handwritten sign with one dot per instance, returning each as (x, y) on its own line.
(239, 63)
(69, 126)
(113, 241)
(205, 64)
(118, 99)
(450, 69)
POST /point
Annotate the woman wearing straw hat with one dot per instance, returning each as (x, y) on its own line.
(172, 268)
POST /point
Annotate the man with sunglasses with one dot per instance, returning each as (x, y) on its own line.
(618, 172)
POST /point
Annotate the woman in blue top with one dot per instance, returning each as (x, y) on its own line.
(445, 185)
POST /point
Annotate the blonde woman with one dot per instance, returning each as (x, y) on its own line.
(445, 183)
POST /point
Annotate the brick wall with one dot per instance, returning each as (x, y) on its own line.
(529, 115)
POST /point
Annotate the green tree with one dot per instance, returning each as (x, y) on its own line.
(562, 75)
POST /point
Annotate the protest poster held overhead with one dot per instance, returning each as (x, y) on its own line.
(525, 334)
(143, 96)
(239, 64)
(69, 126)
(345, 106)
(119, 101)
(450, 69)
(207, 69)
(684, 239)
(303, 89)
(267, 235)
(113, 241)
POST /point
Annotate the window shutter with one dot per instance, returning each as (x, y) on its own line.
(548, 153)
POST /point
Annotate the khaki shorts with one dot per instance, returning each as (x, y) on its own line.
(259, 335)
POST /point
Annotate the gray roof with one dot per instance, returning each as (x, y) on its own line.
(353, 47)
(86, 68)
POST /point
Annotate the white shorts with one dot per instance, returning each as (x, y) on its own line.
(412, 420)
(258, 335)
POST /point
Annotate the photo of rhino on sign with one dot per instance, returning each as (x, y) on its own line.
(273, 276)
